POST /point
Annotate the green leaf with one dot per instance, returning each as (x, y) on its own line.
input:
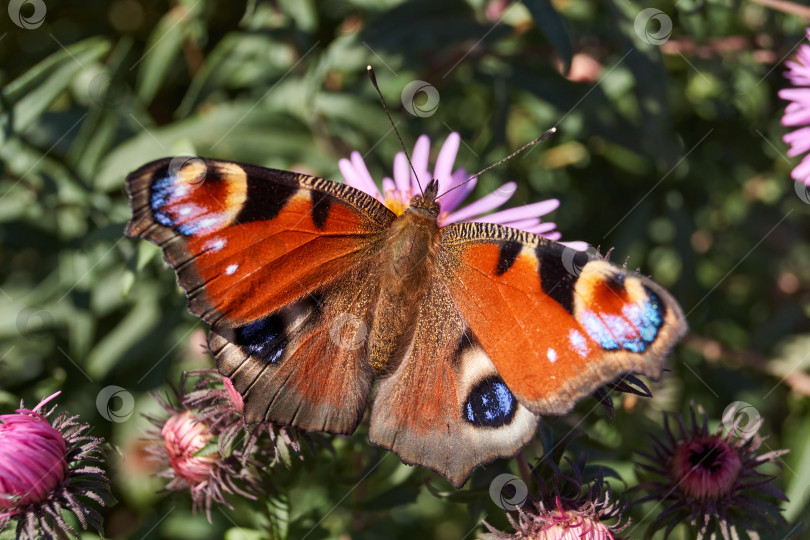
(553, 26)
(164, 47)
(31, 94)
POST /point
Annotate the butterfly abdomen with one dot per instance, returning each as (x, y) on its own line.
(407, 261)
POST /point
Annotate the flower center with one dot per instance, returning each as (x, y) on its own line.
(397, 201)
(572, 525)
(706, 468)
(183, 437)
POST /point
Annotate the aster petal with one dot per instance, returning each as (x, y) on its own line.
(798, 140)
(796, 115)
(450, 201)
(521, 212)
(484, 204)
(524, 224)
(402, 172)
(804, 55)
(421, 154)
(388, 185)
(362, 171)
(801, 172)
(795, 94)
(443, 171)
(351, 176)
(542, 228)
(576, 245)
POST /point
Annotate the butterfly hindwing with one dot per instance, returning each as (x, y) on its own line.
(445, 407)
(556, 328)
(305, 365)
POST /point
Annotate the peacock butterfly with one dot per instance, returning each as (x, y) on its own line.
(315, 291)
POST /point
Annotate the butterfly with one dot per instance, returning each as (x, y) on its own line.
(320, 297)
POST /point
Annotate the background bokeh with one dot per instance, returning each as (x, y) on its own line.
(669, 152)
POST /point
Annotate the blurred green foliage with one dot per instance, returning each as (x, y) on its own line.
(669, 153)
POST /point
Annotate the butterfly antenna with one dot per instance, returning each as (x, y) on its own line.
(385, 108)
(542, 137)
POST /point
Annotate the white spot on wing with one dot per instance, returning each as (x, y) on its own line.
(578, 342)
(552, 355)
(215, 245)
(232, 268)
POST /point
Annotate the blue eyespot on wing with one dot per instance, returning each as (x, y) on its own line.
(490, 404)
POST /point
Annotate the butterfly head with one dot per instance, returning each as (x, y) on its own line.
(426, 203)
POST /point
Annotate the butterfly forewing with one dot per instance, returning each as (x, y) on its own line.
(246, 240)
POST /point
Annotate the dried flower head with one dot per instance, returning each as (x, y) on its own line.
(219, 405)
(710, 479)
(184, 445)
(48, 467)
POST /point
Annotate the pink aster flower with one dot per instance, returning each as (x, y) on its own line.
(797, 113)
(397, 192)
(570, 506)
(48, 467)
(711, 479)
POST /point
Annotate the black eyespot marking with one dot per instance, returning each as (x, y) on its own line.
(321, 203)
(263, 339)
(265, 200)
(616, 283)
(490, 404)
(557, 280)
(507, 256)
